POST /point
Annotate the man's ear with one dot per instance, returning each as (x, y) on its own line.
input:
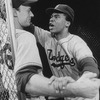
(68, 23)
(14, 12)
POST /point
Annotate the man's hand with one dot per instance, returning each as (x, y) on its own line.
(87, 75)
(60, 83)
(87, 85)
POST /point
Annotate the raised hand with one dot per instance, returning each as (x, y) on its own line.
(88, 85)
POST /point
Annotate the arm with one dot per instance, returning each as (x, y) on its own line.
(82, 53)
(39, 85)
(41, 35)
(85, 58)
(92, 83)
(88, 64)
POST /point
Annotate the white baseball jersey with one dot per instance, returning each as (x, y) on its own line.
(64, 55)
(27, 51)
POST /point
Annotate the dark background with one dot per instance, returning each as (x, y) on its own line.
(86, 24)
(87, 12)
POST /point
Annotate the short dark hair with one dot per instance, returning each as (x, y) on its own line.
(68, 18)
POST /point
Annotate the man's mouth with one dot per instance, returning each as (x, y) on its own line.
(51, 25)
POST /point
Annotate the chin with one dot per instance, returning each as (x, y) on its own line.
(52, 31)
(27, 25)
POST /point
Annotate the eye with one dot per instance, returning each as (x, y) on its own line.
(28, 10)
(57, 16)
(51, 16)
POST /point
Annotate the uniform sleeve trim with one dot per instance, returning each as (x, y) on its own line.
(89, 64)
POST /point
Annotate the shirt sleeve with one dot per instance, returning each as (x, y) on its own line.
(27, 52)
(89, 64)
(84, 56)
(41, 35)
(80, 49)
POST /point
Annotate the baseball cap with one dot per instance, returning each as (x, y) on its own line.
(17, 3)
(62, 8)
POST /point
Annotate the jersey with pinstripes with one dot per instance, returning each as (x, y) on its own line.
(64, 55)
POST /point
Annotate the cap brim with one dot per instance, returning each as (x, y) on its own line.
(29, 2)
(49, 11)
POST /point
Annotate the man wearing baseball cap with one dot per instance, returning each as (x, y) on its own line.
(18, 3)
(62, 8)
(67, 53)
(22, 21)
(28, 66)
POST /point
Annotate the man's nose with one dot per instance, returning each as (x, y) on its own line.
(52, 19)
(31, 14)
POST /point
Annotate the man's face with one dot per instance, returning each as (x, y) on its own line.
(57, 23)
(24, 15)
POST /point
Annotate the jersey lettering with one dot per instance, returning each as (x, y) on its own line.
(61, 60)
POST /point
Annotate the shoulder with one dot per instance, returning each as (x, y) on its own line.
(71, 38)
(77, 38)
(78, 42)
(25, 37)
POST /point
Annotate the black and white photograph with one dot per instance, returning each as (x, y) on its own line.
(49, 49)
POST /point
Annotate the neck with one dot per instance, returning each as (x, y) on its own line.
(62, 34)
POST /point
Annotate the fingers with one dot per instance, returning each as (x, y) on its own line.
(97, 81)
(56, 85)
(65, 81)
(60, 83)
(90, 75)
(69, 79)
(87, 75)
(55, 81)
(52, 79)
